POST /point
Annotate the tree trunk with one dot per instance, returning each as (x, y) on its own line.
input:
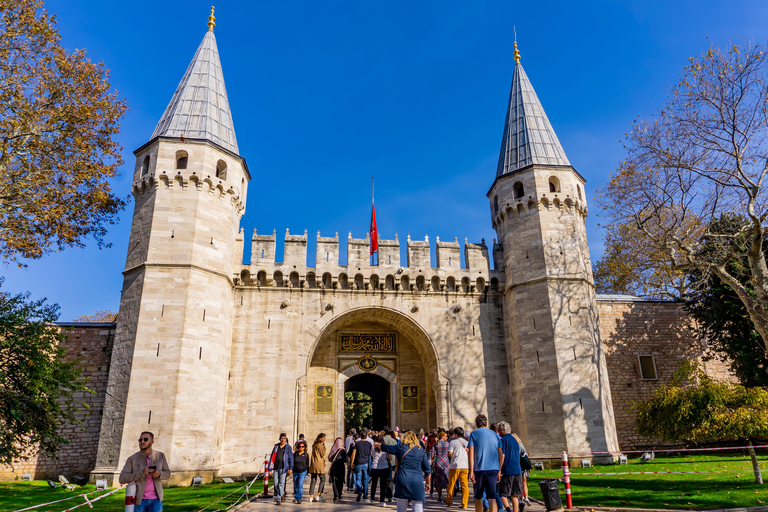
(755, 465)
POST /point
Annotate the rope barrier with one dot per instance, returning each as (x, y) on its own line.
(89, 502)
(675, 450)
(57, 501)
(662, 473)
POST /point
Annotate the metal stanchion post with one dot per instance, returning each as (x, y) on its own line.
(130, 497)
(567, 478)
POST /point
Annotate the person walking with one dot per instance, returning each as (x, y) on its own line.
(281, 464)
(300, 468)
(349, 443)
(338, 460)
(485, 459)
(440, 464)
(511, 484)
(390, 438)
(379, 471)
(525, 472)
(412, 469)
(317, 468)
(361, 460)
(146, 468)
(458, 467)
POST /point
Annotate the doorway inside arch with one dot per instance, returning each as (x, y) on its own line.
(367, 402)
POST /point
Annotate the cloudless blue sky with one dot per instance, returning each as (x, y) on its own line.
(325, 95)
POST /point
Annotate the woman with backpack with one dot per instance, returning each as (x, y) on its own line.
(412, 468)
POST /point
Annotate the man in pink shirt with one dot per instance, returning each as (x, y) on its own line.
(145, 468)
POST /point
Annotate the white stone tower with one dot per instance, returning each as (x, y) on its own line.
(171, 354)
(559, 384)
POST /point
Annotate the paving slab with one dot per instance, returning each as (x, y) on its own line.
(348, 503)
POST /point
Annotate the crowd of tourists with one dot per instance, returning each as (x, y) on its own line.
(405, 466)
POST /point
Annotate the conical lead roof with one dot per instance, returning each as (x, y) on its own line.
(199, 108)
(528, 136)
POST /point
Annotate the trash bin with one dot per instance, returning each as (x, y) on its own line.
(551, 494)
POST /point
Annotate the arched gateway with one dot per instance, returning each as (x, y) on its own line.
(384, 356)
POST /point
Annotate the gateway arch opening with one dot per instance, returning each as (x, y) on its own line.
(367, 402)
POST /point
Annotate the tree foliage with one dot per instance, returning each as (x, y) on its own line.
(704, 154)
(358, 409)
(721, 317)
(37, 380)
(696, 408)
(102, 315)
(58, 117)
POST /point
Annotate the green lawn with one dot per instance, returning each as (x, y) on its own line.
(17, 495)
(697, 491)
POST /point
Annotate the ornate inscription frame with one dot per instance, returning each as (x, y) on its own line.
(367, 342)
(324, 399)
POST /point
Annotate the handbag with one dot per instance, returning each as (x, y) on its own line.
(525, 462)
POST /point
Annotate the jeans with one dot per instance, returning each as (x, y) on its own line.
(298, 484)
(279, 484)
(402, 505)
(361, 479)
(498, 501)
(380, 476)
(149, 506)
(350, 478)
(312, 482)
(460, 475)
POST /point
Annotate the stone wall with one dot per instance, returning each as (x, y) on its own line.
(93, 343)
(632, 327)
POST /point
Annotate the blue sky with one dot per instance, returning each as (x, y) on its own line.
(325, 95)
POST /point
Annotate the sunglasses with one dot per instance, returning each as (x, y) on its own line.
(145, 439)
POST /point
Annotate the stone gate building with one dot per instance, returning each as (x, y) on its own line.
(216, 355)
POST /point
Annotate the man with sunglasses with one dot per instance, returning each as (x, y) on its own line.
(145, 468)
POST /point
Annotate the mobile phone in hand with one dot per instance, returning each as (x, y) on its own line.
(152, 468)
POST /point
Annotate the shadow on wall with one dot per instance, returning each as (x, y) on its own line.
(646, 341)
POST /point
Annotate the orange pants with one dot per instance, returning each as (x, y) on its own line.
(462, 475)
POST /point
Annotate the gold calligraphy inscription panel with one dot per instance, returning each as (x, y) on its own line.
(323, 399)
(367, 342)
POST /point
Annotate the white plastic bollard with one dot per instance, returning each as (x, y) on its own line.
(130, 497)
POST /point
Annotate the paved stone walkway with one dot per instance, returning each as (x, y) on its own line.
(349, 503)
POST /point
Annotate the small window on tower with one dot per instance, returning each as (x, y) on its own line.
(578, 189)
(495, 205)
(647, 367)
(181, 159)
(145, 166)
(221, 170)
(519, 190)
(554, 184)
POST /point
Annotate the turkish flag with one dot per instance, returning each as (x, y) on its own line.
(374, 234)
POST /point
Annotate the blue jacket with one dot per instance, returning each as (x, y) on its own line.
(287, 458)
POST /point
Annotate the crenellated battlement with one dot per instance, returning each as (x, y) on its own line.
(190, 182)
(523, 206)
(358, 274)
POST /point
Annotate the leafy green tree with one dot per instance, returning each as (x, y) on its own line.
(696, 408)
(58, 118)
(358, 409)
(38, 379)
(719, 313)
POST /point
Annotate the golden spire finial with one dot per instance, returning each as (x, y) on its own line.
(211, 20)
(517, 53)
